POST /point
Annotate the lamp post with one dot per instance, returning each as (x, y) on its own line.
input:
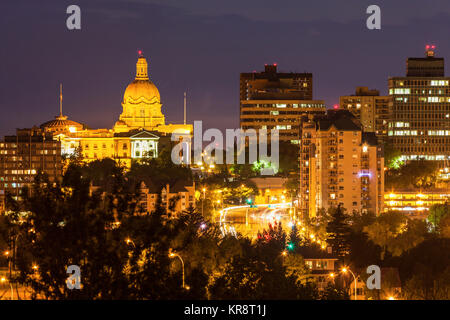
(172, 255)
(203, 200)
(3, 279)
(344, 270)
(128, 241)
(284, 253)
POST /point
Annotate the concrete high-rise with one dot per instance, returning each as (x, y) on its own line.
(371, 109)
(420, 107)
(275, 100)
(339, 165)
(23, 156)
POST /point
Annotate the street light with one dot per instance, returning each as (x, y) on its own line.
(2, 280)
(172, 255)
(203, 200)
(128, 241)
(10, 265)
(344, 270)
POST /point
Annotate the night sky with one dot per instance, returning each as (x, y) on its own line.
(201, 46)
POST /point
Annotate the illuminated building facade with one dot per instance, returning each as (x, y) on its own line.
(420, 108)
(371, 109)
(273, 100)
(181, 193)
(29, 152)
(414, 203)
(339, 165)
(136, 134)
(271, 190)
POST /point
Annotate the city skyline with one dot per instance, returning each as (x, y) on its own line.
(94, 78)
(192, 151)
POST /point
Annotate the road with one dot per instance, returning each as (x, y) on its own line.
(250, 220)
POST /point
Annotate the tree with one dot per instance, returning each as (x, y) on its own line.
(294, 239)
(424, 286)
(392, 156)
(395, 233)
(358, 220)
(271, 243)
(289, 160)
(122, 254)
(414, 174)
(425, 270)
(338, 232)
(65, 225)
(437, 214)
(292, 186)
(161, 170)
(334, 292)
(444, 227)
(318, 224)
(251, 276)
(363, 252)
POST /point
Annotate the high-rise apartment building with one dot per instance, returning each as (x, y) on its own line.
(339, 165)
(274, 100)
(420, 108)
(24, 155)
(371, 109)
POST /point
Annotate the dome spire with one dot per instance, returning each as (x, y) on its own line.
(60, 117)
(60, 100)
(141, 67)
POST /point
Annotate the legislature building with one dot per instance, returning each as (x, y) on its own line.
(139, 133)
(135, 135)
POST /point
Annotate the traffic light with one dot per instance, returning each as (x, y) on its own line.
(290, 246)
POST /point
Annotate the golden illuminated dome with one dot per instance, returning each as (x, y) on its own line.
(62, 124)
(141, 89)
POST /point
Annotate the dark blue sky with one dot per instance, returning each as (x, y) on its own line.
(201, 46)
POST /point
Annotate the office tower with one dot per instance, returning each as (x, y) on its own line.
(275, 100)
(339, 164)
(420, 108)
(29, 152)
(371, 109)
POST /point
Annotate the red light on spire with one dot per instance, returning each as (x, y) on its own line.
(427, 47)
(433, 47)
(140, 52)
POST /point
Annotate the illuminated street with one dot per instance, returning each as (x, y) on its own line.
(249, 221)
